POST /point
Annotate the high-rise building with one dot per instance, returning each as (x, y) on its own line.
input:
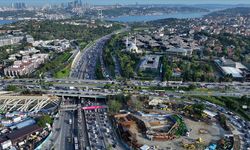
(18, 5)
(80, 3)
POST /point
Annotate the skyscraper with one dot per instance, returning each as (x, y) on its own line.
(18, 5)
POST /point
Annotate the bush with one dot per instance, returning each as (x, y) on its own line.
(114, 106)
(11, 88)
(43, 120)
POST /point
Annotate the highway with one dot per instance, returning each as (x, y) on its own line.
(72, 82)
(66, 133)
(83, 130)
(88, 88)
(98, 128)
(102, 94)
(86, 63)
(66, 130)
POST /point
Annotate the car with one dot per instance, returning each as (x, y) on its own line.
(69, 139)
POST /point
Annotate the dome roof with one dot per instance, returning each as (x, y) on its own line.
(133, 47)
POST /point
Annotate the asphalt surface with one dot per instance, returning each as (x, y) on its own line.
(86, 63)
(64, 131)
(99, 129)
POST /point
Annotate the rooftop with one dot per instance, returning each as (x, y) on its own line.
(235, 72)
(178, 50)
(23, 132)
(225, 62)
(150, 62)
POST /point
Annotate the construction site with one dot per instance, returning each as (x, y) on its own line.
(137, 129)
(171, 126)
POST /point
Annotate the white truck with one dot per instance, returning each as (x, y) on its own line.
(70, 121)
(72, 88)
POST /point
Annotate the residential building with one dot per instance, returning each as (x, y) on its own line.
(25, 66)
(179, 51)
(10, 39)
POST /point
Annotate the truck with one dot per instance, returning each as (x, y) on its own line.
(70, 121)
(72, 88)
(75, 140)
(76, 147)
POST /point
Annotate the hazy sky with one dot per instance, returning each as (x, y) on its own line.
(8, 2)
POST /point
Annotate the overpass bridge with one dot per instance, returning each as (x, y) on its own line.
(78, 95)
(27, 103)
(68, 107)
(36, 103)
(81, 94)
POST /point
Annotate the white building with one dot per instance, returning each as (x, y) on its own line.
(6, 144)
(229, 67)
(132, 47)
(155, 102)
(10, 40)
(29, 38)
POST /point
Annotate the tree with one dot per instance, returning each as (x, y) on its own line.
(231, 104)
(98, 70)
(168, 73)
(43, 120)
(244, 100)
(198, 109)
(138, 105)
(192, 87)
(11, 88)
(135, 104)
(166, 69)
(114, 106)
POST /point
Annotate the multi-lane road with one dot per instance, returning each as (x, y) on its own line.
(65, 128)
(86, 63)
(83, 86)
(68, 129)
(71, 81)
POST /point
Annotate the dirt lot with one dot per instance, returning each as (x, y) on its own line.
(214, 132)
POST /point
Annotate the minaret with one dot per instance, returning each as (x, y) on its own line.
(127, 43)
(135, 41)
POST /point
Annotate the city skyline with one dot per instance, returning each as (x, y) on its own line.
(108, 2)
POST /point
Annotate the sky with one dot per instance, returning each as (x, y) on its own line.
(102, 2)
